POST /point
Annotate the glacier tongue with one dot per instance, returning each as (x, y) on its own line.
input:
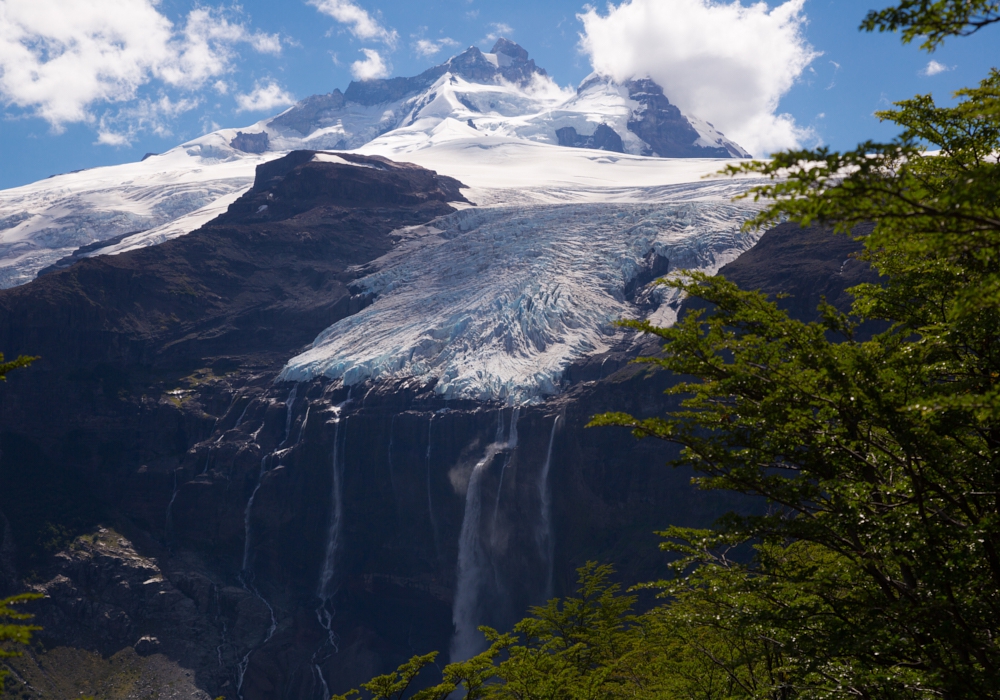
(494, 303)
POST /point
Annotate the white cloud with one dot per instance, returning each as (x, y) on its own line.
(933, 68)
(264, 97)
(425, 48)
(58, 59)
(359, 22)
(727, 63)
(499, 29)
(372, 67)
(120, 127)
(110, 138)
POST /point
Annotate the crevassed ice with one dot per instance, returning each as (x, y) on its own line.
(495, 303)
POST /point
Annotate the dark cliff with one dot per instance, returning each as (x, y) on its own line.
(286, 541)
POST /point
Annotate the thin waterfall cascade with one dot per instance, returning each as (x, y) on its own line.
(546, 539)
(326, 586)
(246, 571)
(473, 558)
(323, 589)
(168, 525)
(511, 444)
(243, 415)
(289, 406)
(247, 531)
(302, 426)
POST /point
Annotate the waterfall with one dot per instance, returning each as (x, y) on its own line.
(511, 444)
(243, 415)
(325, 588)
(168, 526)
(289, 405)
(546, 540)
(246, 579)
(472, 556)
(302, 427)
(246, 572)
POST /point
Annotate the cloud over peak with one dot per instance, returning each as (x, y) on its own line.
(263, 98)
(373, 66)
(727, 63)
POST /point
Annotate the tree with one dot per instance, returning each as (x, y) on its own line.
(21, 361)
(14, 633)
(878, 562)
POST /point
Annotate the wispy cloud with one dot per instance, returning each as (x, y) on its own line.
(497, 30)
(121, 127)
(426, 48)
(358, 21)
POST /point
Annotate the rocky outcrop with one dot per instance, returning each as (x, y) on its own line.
(604, 138)
(306, 116)
(250, 143)
(668, 133)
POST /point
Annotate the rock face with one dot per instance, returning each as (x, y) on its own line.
(307, 114)
(668, 133)
(250, 143)
(290, 540)
(604, 138)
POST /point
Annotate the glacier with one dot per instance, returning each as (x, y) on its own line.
(494, 303)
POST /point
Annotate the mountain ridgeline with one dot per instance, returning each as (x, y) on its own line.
(660, 129)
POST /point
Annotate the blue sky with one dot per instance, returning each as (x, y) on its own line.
(171, 70)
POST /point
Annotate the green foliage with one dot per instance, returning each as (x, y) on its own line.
(877, 565)
(933, 20)
(5, 367)
(16, 632)
(594, 646)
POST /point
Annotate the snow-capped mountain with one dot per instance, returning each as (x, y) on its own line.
(501, 93)
(497, 109)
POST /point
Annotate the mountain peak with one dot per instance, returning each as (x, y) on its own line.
(509, 48)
